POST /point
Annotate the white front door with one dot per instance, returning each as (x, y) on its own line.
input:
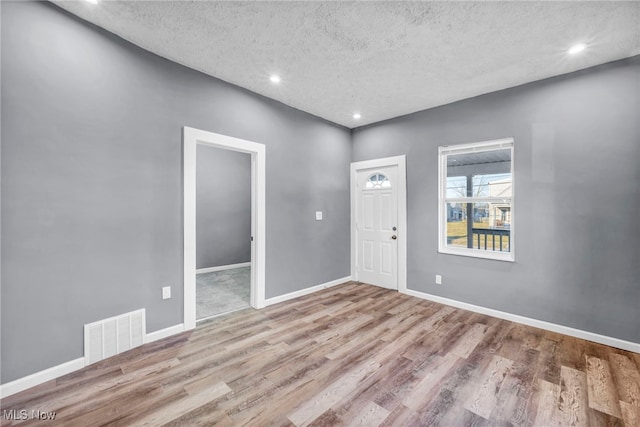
(376, 226)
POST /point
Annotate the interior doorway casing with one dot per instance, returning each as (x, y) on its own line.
(400, 163)
(191, 138)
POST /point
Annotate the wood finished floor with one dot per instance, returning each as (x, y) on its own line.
(353, 355)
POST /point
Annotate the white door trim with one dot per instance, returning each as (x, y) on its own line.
(192, 137)
(400, 162)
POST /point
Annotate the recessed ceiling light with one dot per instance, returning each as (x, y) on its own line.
(577, 48)
(92, 1)
(274, 78)
(357, 116)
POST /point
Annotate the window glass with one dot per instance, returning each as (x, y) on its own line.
(476, 199)
(456, 186)
(378, 180)
(490, 226)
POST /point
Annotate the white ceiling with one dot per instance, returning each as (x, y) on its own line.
(383, 59)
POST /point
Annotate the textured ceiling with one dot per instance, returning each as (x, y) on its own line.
(383, 59)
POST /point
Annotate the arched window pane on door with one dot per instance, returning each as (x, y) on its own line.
(376, 181)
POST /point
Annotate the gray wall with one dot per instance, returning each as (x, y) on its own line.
(577, 200)
(92, 201)
(223, 207)
(92, 183)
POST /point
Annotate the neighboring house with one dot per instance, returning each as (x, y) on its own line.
(456, 213)
(500, 214)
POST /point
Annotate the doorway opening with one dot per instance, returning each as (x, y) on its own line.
(223, 231)
(192, 140)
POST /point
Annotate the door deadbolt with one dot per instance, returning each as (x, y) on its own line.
(394, 228)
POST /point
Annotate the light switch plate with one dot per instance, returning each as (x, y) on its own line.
(318, 215)
(166, 292)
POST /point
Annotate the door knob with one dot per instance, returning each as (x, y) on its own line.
(394, 237)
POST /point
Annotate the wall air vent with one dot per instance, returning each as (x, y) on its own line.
(114, 335)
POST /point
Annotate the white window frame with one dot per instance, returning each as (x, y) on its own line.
(443, 153)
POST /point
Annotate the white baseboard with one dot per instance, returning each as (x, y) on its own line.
(306, 291)
(223, 267)
(38, 378)
(164, 333)
(52, 373)
(554, 327)
(41, 377)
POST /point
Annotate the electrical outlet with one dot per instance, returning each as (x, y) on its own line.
(438, 279)
(166, 292)
(318, 215)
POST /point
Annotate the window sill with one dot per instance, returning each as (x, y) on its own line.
(475, 253)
